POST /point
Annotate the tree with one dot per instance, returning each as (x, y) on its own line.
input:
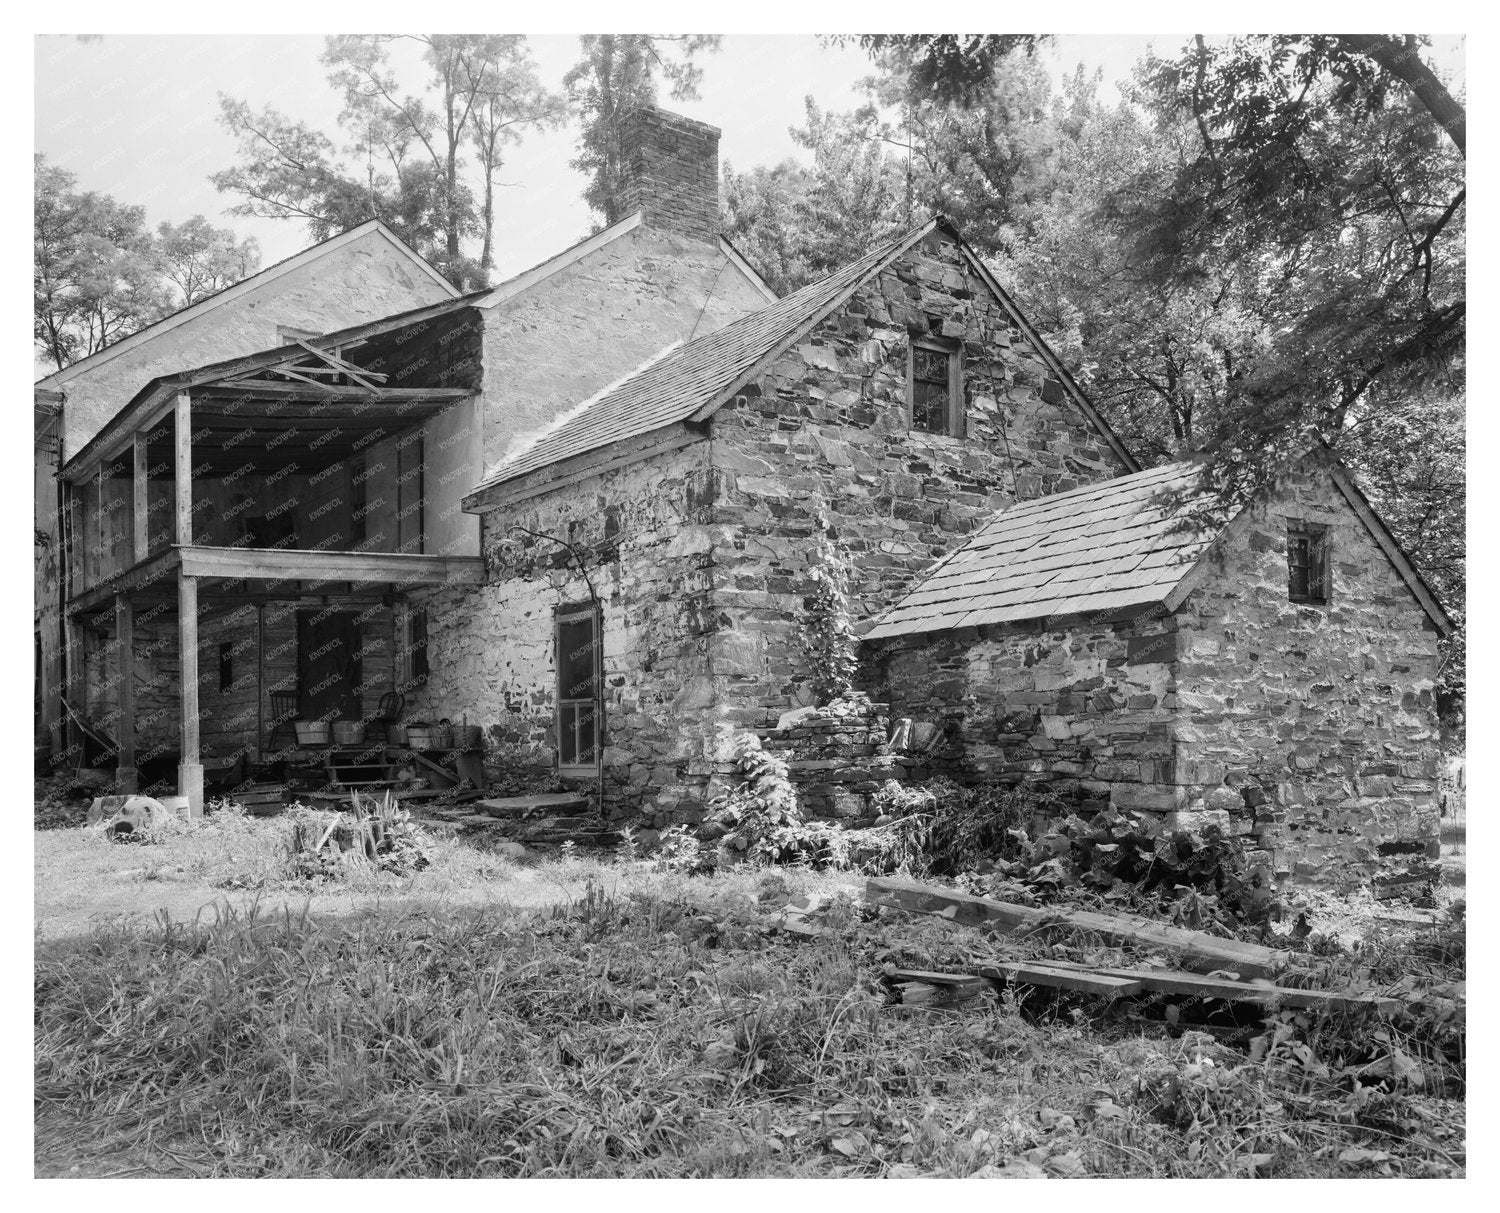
(95, 272)
(200, 259)
(797, 224)
(615, 76)
(482, 94)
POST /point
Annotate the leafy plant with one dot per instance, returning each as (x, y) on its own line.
(828, 638)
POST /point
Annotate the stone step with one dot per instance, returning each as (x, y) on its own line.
(551, 804)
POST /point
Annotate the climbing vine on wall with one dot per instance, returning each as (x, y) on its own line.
(827, 636)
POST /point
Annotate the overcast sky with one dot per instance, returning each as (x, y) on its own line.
(137, 117)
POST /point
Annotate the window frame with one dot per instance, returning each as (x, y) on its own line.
(1319, 580)
(953, 422)
(566, 614)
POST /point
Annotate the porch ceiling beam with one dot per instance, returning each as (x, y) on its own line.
(272, 388)
(288, 564)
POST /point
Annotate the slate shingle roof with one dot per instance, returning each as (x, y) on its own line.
(1102, 548)
(674, 387)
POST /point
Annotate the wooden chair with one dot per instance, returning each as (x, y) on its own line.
(283, 714)
(392, 704)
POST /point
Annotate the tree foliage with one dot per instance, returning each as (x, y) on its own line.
(425, 162)
(615, 75)
(99, 274)
(1261, 245)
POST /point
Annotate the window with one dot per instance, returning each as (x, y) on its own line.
(416, 637)
(1307, 562)
(579, 680)
(935, 387)
(357, 507)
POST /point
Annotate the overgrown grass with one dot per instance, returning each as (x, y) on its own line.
(662, 1033)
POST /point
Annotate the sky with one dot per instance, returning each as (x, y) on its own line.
(136, 116)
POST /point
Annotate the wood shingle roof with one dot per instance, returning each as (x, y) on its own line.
(675, 386)
(1118, 545)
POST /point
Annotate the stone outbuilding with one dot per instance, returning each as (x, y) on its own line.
(1274, 676)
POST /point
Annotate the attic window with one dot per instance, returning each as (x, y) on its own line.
(1307, 563)
(934, 387)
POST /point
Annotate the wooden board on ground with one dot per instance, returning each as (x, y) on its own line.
(1201, 952)
(1105, 985)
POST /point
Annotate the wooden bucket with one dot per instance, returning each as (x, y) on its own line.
(348, 732)
(396, 735)
(311, 732)
(421, 737)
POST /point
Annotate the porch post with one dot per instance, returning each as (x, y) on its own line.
(140, 501)
(125, 772)
(190, 770)
(183, 477)
(74, 687)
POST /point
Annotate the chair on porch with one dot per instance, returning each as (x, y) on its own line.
(283, 716)
(392, 704)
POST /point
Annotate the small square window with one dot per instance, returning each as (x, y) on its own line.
(1307, 577)
(934, 388)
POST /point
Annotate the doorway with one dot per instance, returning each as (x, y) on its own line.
(328, 665)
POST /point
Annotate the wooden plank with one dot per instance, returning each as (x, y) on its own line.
(1201, 952)
(190, 769)
(291, 564)
(125, 643)
(954, 980)
(140, 503)
(311, 390)
(182, 479)
(1105, 985)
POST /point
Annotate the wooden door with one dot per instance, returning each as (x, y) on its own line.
(328, 665)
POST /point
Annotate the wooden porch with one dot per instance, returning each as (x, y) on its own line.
(341, 476)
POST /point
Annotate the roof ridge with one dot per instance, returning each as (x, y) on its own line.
(670, 391)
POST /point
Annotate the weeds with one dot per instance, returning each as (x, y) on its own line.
(653, 1034)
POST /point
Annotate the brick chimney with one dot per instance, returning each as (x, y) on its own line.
(671, 173)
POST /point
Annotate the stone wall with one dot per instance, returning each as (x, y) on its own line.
(555, 344)
(837, 757)
(649, 540)
(1322, 716)
(825, 428)
(1085, 712)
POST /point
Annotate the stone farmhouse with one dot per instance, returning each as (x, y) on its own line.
(577, 509)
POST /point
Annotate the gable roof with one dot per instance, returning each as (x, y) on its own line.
(692, 382)
(1127, 544)
(243, 287)
(558, 262)
(691, 379)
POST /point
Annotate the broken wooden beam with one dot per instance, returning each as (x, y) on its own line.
(1080, 981)
(1200, 952)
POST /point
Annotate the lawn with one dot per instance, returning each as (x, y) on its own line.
(199, 1014)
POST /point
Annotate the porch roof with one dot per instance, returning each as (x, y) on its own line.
(272, 570)
(304, 387)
